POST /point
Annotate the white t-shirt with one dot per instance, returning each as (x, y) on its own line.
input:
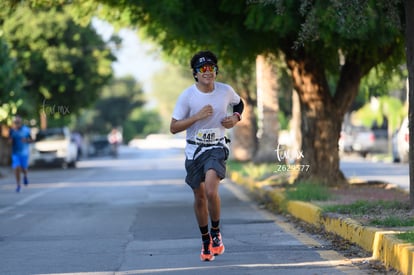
(208, 130)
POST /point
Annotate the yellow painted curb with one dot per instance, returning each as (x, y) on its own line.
(351, 231)
(382, 243)
(305, 211)
(396, 254)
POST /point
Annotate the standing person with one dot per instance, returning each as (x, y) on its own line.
(20, 138)
(201, 110)
(115, 139)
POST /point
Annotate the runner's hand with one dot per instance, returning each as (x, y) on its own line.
(229, 122)
(205, 112)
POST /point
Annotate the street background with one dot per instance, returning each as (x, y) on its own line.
(134, 215)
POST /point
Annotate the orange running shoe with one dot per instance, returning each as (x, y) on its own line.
(217, 246)
(206, 254)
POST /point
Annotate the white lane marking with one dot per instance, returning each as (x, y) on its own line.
(6, 209)
(18, 216)
(32, 197)
(24, 201)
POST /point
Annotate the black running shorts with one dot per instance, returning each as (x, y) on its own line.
(211, 159)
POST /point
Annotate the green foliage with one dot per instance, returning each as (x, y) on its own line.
(236, 166)
(64, 64)
(364, 207)
(252, 170)
(329, 45)
(380, 108)
(11, 84)
(117, 101)
(120, 105)
(392, 221)
(308, 191)
(283, 121)
(142, 123)
(7, 110)
(323, 27)
(285, 91)
(406, 236)
(176, 26)
(382, 79)
(258, 171)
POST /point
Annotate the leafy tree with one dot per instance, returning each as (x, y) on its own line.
(64, 63)
(118, 100)
(11, 84)
(141, 123)
(120, 105)
(344, 41)
(320, 40)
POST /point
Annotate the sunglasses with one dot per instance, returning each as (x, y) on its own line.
(206, 68)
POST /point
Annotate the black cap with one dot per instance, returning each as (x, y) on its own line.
(203, 61)
(203, 58)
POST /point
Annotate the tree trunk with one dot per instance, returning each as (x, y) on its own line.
(319, 155)
(267, 109)
(321, 119)
(43, 120)
(243, 138)
(409, 40)
(295, 124)
(5, 146)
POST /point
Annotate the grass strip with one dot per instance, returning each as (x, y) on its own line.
(364, 207)
(308, 191)
(406, 236)
(252, 170)
(392, 221)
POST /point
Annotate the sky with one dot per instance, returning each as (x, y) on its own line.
(135, 57)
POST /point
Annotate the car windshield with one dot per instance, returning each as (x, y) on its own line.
(50, 134)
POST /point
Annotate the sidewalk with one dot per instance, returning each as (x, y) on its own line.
(382, 243)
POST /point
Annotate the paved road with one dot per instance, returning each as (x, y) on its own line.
(133, 215)
(394, 173)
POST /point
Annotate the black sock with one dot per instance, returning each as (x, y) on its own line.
(215, 227)
(204, 235)
(204, 229)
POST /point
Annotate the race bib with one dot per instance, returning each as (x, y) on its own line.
(208, 136)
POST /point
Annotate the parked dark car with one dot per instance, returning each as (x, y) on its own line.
(99, 146)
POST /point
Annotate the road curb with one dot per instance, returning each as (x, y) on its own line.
(382, 243)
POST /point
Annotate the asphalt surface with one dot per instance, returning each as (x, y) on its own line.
(371, 170)
(134, 215)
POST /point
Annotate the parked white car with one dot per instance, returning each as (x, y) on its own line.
(362, 140)
(54, 146)
(401, 143)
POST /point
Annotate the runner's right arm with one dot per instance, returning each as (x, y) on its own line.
(177, 126)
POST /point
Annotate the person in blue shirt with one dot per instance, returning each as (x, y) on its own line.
(20, 138)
